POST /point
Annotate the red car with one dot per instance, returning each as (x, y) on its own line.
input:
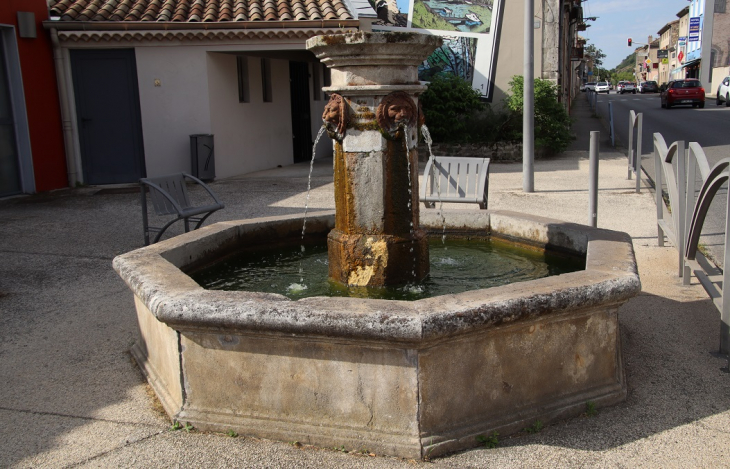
(687, 91)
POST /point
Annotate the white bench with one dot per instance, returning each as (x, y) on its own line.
(455, 179)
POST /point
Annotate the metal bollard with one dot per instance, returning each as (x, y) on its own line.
(593, 179)
(637, 154)
(611, 133)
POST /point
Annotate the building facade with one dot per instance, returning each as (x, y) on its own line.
(647, 63)
(32, 154)
(668, 35)
(117, 88)
(681, 48)
(720, 54)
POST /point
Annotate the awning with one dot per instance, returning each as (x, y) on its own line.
(691, 63)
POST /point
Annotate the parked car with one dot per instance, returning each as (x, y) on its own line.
(723, 92)
(602, 87)
(648, 87)
(591, 86)
(628, 87)
(619, 86)
(687, 91)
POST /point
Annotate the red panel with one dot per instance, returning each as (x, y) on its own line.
(41, 95)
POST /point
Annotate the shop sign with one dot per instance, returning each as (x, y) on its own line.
(694, 29)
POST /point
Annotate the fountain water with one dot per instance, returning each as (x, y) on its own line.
(403, 378)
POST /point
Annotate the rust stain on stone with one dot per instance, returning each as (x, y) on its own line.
(579, 361)
(342, 193)
(377, 260)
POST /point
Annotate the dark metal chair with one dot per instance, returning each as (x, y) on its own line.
(169, 196)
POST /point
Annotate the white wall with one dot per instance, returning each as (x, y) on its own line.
(718, 74)
(175, 109)
(198, 93)
(511, 50)
(248, 136)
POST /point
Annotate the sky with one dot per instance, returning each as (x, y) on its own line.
(618, 20)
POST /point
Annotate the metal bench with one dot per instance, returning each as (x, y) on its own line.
(455, 179)
(169, 196)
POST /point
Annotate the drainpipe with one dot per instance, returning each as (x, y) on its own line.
(68, 136)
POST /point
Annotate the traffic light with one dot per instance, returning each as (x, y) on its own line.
(629, 42)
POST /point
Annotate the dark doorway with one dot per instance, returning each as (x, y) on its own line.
(9, 162)
(107, 109)
(301, 121)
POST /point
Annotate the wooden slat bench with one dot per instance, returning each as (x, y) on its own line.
(455, 179)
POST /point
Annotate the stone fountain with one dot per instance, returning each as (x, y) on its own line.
(373, 118)
(411, 379)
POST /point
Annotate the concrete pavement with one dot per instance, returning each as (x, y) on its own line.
(72, 397)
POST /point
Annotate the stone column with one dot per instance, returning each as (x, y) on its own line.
(373, 117)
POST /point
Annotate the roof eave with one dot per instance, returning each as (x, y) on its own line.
(204, 26)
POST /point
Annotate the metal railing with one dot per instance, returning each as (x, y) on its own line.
(670, 223)
(683, 224)
(636, 122)
(593, 100)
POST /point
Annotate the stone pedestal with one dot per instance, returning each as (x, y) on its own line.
(373, 116)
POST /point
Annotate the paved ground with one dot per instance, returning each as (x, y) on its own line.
(72, 397)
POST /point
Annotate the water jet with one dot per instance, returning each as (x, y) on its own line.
(410, 379)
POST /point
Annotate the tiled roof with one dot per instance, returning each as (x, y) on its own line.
(199, 11)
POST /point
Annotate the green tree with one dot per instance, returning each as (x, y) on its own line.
(595, 53)
(552, 122)
(448, 104)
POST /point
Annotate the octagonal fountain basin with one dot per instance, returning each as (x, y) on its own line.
(405, 378)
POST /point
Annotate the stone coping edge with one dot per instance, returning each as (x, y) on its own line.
(154, 274)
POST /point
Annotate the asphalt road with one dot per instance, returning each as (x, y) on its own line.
(710, 127)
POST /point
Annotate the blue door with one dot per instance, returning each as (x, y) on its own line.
(108, 115)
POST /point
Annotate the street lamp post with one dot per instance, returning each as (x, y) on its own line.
(528, 101)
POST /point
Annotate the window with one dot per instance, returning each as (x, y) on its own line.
(243, 93)
(266, 80)
(720, 6)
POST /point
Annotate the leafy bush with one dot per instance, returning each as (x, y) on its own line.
(449, 103)
(488, 126)
(552, 122)
(455, 114)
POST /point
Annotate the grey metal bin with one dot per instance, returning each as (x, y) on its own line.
(202, 156)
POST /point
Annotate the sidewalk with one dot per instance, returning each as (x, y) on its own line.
(72, 397)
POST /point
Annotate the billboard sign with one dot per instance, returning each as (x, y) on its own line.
(662, 54)
(694, 29)
(469, 29)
